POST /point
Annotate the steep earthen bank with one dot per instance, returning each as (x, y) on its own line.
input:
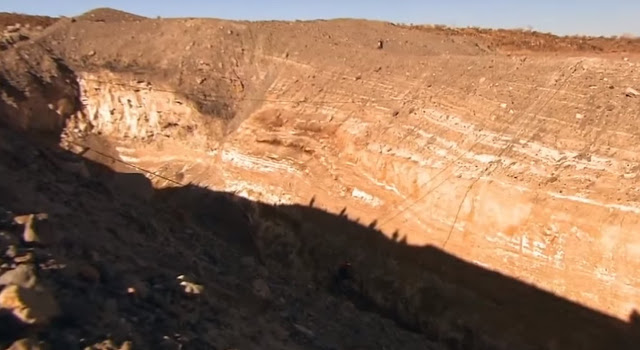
(524, 165)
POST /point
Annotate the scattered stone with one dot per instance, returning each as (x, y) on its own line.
(12, 251)
(137, 287)
(105, 345)
(261, 289)
(12, 38)
(31, 306)
(579, 116)
(24, 259)
(380, 44)
(200, 80)
(395, 113)
(14, 28)
(169, 344)
(23, 276)
(503, 105)
(37, 228)
(357, 77)
(631, 92)
(190, 287)
(28, 344)
(304, 330)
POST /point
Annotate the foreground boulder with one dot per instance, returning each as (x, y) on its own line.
(28, 344)
(31, 306)
(37, 228)
(24, 276)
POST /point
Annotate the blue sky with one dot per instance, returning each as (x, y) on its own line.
(612, 17)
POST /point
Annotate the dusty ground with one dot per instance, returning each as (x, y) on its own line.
(531, 41)
(11, 19)
(16, 28)
(493, 173)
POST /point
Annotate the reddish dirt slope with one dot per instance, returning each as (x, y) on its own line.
(9, 19)
(525, 40)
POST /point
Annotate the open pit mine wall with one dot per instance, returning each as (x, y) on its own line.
(541, 187)
(527, 168)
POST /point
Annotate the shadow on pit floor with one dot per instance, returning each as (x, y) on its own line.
(423, 289)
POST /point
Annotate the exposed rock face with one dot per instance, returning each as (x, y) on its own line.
(136, 110)
(511, 188)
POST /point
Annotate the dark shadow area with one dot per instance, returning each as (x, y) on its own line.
(53, 93)
(423, 289)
